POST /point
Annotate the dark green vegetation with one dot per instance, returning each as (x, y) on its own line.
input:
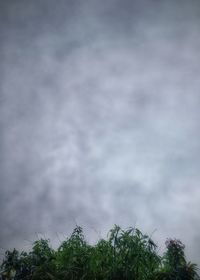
(126, 254)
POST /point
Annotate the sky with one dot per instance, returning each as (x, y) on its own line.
(99, 119)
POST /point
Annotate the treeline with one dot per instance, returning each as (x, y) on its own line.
(125, 255)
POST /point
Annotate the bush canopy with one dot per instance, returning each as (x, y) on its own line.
(124, 255)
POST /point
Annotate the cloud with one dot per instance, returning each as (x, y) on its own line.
(99, 118)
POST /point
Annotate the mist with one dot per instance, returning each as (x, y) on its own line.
(99, 119)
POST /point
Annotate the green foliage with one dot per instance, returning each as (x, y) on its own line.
(72, 257)
(125, 255)
(174, 264)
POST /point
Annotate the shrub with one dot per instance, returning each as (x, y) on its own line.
(125, 255)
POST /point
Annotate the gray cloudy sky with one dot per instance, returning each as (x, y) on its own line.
(99, 118)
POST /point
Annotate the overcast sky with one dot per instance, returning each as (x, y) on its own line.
(100, 119)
